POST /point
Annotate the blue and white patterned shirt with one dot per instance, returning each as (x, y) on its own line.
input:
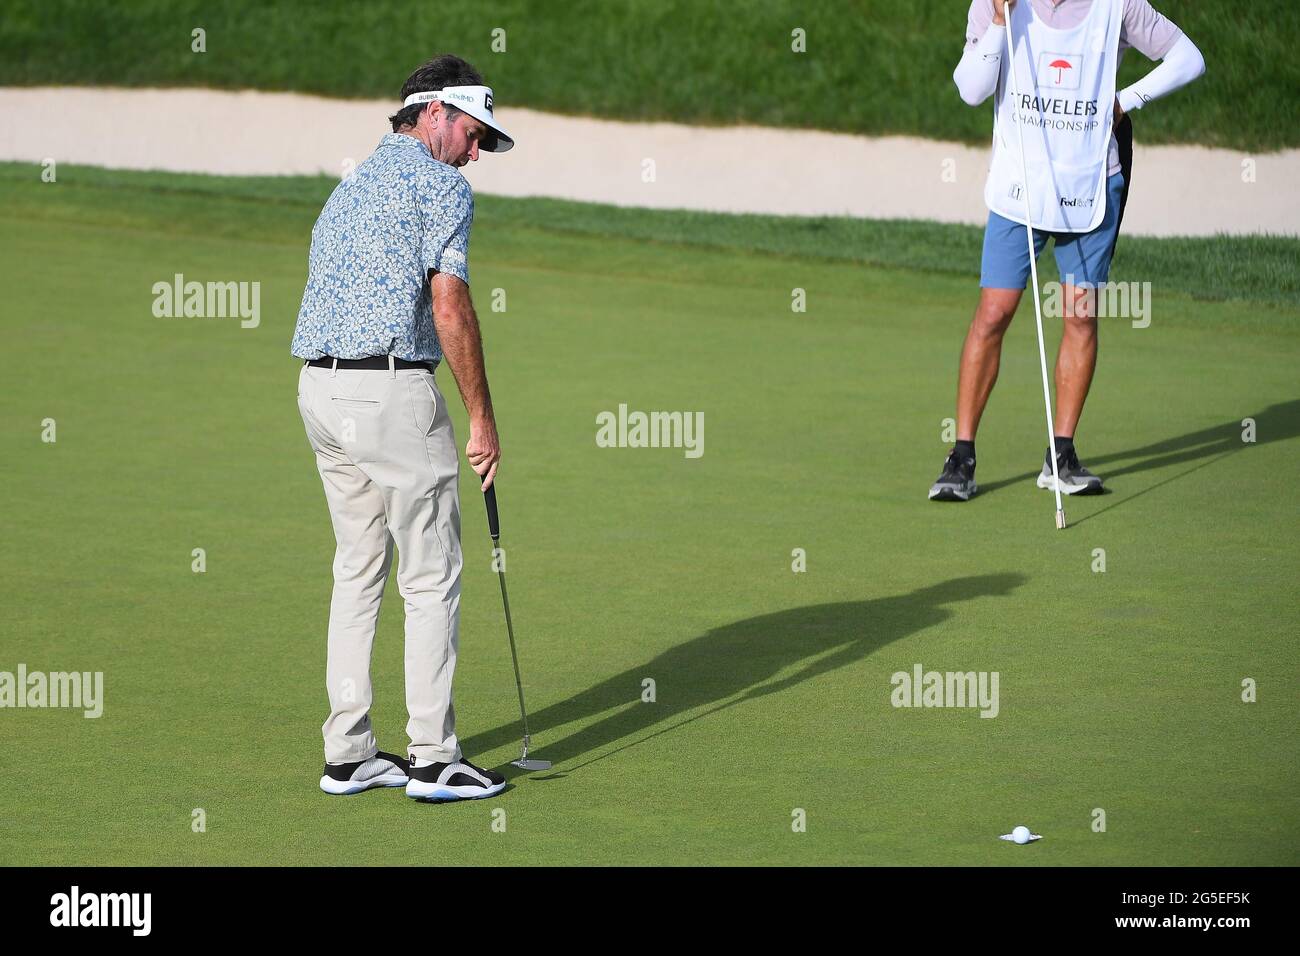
(400, 214)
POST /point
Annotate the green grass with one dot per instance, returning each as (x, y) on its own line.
(1256, 269)
(1119, 691)
(870, 67)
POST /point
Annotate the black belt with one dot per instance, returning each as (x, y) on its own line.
(371, 362)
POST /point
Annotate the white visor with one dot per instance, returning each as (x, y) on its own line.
(477, 102)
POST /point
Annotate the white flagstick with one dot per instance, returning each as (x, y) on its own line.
(1033, 269)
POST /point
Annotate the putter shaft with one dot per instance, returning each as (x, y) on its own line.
(494, 529)
(514, 654)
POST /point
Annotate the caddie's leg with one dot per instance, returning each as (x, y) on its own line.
(1004, 272)
(1084, 263)
(1077, 359)
(981, 356)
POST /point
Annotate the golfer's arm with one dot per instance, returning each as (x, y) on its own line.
(462, 346)
(1182, 64)
(976, 75)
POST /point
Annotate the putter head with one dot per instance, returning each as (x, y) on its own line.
(531, 763)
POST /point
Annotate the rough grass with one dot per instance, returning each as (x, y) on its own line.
(1257, 269)
(870, 67)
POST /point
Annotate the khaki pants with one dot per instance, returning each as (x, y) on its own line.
(387, 458)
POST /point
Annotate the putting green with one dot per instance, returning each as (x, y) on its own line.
(1118, 690)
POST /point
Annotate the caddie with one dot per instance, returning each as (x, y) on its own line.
(1068, 52)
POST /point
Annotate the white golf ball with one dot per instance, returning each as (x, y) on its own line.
(1021, 835)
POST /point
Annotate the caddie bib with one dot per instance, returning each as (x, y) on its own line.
(1062, 93)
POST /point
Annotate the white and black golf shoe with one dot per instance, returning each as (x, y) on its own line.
(459, 780)
(381, 770)
(1075, 479)
(957, 483)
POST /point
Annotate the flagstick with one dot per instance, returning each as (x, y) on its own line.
(1033, 271)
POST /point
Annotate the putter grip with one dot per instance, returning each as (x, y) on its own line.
(494, 523)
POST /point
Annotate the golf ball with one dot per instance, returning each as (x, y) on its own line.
(1021, 834)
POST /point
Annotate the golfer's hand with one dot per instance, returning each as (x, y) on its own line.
(999, 11)
(483, 451)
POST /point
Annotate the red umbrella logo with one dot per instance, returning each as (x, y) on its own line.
(1058, 66)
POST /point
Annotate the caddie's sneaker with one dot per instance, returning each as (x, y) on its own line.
(381, 770)
(1075, 479)
(957, 483)
(459, 780)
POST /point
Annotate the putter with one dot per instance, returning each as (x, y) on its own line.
(494, 528)
(1033, 271)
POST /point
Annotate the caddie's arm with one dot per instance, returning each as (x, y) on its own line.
(1182, 64)
(462, 346)
(976, 75)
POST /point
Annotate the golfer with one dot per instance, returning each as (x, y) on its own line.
(1067, 53)
(387, 299)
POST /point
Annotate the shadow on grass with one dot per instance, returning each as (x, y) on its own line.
(736, 663)
(1275, 423)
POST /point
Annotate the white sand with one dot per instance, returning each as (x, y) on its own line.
(1178, 190)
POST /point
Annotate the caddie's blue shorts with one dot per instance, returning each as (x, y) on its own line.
(1082, 257)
